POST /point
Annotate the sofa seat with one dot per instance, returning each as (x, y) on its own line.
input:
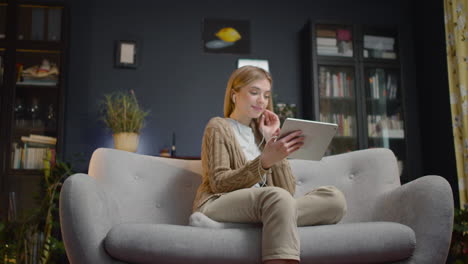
(365, 242)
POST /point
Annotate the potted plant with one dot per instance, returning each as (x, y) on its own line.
(124, 117)
(283, 110)
(35, 237)
(459, 247)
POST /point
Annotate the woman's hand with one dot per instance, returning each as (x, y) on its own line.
(269, 124)
(276, 150)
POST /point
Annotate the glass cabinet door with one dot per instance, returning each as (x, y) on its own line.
(338, 105)
(385, 120)
(39, 23)
(34, 134)
(2, 68)
(3, 17)
(2, 89)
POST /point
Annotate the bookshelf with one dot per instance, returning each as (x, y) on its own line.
(352, 77)
(33, 52)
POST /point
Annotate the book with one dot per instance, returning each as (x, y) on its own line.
(54, 24)
(12, 211)
(17, 158)
(326, 41)
(39, 141)
(327, 33)
(321, 50)
(378, 42)
(388, 55)
(44, 138)
(343, 34)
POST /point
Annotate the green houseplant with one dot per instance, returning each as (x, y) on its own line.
(459, 247)
(123, 115)
(35, 238)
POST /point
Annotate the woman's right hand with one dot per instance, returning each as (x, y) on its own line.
(277, 150)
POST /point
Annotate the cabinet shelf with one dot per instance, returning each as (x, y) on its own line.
(394, 62)
(36, 90)
(337, 98)
(386, 99)
(381, 138)
(33, 130)
(344, 138)
(39, 46)
(26, 172)
(34, 86)
(335, 58)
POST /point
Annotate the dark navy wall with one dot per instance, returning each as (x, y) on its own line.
(438, 156)
(181, 85)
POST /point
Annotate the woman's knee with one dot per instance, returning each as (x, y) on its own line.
(337, 203)
(278, 193)
(279, 198)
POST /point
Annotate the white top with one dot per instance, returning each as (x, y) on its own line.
(246, 139)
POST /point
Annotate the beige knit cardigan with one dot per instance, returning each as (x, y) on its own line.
(225, 168)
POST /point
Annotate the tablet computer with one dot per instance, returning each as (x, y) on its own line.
(317, 137)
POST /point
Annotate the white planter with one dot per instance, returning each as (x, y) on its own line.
(126, 141)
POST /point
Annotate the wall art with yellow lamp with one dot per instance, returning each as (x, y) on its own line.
(226, 36)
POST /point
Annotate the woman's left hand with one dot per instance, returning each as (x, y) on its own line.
(269, 124)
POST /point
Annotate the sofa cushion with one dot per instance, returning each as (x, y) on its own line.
(372, 242)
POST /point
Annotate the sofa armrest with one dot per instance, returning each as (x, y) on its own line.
(86, 216)
(425, 205)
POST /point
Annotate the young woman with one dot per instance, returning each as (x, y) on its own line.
(246, 176)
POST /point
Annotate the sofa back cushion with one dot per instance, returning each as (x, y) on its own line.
(363, 176)
(148, 189)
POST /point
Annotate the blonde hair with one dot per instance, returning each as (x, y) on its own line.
(241, 77)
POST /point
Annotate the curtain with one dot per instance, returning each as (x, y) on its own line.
(456, 34)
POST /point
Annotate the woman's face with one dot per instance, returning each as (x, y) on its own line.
(252, 99)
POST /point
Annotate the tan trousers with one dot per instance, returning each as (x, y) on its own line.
(280, 214)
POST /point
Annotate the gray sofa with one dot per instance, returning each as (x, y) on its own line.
(134, 208)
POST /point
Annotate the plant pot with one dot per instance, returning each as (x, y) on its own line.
(126, 141)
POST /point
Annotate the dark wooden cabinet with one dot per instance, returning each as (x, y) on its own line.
(33, 51)
(353, 78)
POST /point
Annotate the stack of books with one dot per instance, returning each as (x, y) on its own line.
(326, 42)
(36, 153)
(379, 47)
(334, 42)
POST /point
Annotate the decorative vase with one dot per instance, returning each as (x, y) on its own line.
(126, 141)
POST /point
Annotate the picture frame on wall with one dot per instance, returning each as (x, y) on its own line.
(226, 36)
(254, 62)
(126, 54)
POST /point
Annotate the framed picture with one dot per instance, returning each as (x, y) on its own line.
(226, 36)
(126, 54)
(254, 62)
